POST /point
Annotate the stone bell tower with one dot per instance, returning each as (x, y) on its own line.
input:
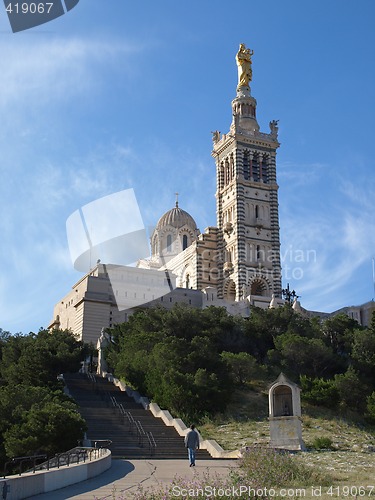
(247, 200)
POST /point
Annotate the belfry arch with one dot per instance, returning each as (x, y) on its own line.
(260, 287)
(230, 290)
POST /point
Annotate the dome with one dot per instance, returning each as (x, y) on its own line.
(177, 218)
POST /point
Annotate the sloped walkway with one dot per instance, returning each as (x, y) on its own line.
(125, 477)
(112, 415)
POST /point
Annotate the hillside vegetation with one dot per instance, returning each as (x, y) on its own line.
(36, 417)
(215, 369)
(191, 361)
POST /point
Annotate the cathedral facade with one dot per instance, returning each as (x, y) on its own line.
(235, 264)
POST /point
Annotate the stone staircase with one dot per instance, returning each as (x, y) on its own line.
(111, 415)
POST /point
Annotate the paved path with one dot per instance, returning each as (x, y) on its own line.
(124, 477)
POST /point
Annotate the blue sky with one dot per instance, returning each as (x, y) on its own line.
(118, 94)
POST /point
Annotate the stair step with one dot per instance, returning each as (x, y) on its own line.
(105, 422)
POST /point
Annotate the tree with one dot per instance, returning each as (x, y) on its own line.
(184, 358)
(304, 356)
(37, 359)
(242, 366)
(264, 326)
(363, 351)
(319, 391)
(35, 415)
(352, 391)
(36, 419)
(370, 408)
(49, 428)
(338, 333)
(372, 325)
(4, 336)
(173, 357)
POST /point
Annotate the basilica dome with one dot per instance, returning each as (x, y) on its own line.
(175, 232)
(177, 218)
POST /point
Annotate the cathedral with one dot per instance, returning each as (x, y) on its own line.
(235, 264)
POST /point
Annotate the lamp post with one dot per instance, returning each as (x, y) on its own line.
(289, 295)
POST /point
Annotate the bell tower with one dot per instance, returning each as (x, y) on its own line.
(247, 199)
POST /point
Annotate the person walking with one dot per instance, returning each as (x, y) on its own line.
(192, 444)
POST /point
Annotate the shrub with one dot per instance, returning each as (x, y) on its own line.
(263, 467)
(320, 392)
(370, 407)
(321, 443)
(351, 390)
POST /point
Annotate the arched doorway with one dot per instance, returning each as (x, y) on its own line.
(259, 287)
(282, 401)
(230, 294)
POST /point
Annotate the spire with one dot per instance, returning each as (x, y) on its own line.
(176, 200)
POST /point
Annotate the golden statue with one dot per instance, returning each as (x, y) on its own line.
(243, 59)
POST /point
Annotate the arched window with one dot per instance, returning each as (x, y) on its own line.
(227, 172)
(255, 168)
(169, 243)
(184, 242)
(246, 166)
(265, 169)
(221, 176)
(187, 281)
(232, 172)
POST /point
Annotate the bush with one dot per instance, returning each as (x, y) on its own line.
(263, 467)
(242, 366)
(352, 391)
(320, 392)
(321, 443)
(370, 407)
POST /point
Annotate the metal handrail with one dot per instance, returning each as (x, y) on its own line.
(151, 442)
(132, 424)
(21, 460)
(91, 377)
(69, 457)
(114, 402)
(75, 455)
(131, 421)
(123, 412)
(140, 433)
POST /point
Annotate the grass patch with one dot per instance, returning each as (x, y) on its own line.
(263, 467)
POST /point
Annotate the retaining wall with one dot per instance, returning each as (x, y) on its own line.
(30, 484)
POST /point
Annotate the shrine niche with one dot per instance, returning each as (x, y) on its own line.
(285, 415)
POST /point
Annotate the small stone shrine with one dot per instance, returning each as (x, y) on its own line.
(285, 415)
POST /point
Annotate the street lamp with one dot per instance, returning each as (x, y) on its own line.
(289, 295)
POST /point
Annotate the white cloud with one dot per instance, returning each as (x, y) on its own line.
(334, 224)
(303, 174)
(36, 71)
